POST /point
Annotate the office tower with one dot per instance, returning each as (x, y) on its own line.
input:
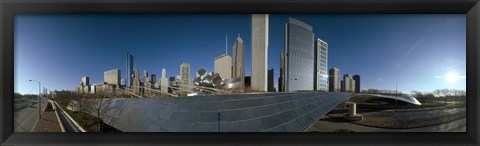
(342, 88)
(352, 85)
(299, 49)
(84, 85)
(112, 77)
(347, 83)
(164, 81)
(333, 79)
(136, 82)
(145, 76)
(259, 52)
(171, 79)
(321, 61)
(281, 80)
(85, 81)
(129, 70)
(357, 83)
(185, 76)
(238, 61)
(153, 78)
(223, 66)
(271, 87)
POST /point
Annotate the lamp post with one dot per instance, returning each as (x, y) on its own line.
(39, 101)
(396, 97)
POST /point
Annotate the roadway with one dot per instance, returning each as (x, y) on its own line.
(25, 119)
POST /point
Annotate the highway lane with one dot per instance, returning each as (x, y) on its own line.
(25, 119)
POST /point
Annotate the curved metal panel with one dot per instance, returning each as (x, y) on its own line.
(266, 112)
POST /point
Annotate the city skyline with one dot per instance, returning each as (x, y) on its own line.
(112, 55)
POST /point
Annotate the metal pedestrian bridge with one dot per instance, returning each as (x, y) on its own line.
(263, 112)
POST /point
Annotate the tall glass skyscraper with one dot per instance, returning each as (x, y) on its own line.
(299, 49)
(321, 61)
(129, 70)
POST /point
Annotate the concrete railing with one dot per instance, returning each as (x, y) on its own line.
(70, 118)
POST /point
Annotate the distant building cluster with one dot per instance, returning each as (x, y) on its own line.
(348, 84)
(303, 67)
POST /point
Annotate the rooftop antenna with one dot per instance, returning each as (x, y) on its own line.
(226, 38)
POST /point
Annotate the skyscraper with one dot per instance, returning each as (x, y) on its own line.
(281, 80)
(164, 81)
(146, 84)
(239, 61)
(85, 81)
(129, 70)
(145, 76)
(259, 52)
(112, 77)
(321, 61)
(185, 76)
(271, 86)
(223, 66)
(357, 83)
(299, 49)
(347, 83)
(136, 82)
(352, 85)
(333, 79)
(153, 78)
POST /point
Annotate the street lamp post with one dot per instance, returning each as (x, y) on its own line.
(396, 97)
(39, 101)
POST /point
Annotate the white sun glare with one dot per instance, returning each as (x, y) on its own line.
(451, 77)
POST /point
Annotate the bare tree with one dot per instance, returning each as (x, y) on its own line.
(98, 105)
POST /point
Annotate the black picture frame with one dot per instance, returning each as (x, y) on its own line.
(9, 8)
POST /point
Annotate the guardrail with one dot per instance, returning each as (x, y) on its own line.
(70, 118)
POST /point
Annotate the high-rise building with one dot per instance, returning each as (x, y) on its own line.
(129, 70)
(84, 85)
(238, 59)
(281, 80)
(185, 76)
(357, 83)
(333, 79)
(136, 81)
(85, 81)
(145, 76)
(164, 81)
(112, 77)
(347, 83)
(153, 78)
(259, 52)
(352, 85)
(299, 49)
(321, 61)
(223, 66)
(271, 83)
(342, 87)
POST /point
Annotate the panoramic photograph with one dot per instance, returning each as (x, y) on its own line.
(240, 73)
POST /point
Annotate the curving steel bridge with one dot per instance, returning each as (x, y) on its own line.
(262, 112)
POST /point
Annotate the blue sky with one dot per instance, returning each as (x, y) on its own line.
(419, 52)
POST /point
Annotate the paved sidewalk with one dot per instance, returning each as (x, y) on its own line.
(48, 123)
